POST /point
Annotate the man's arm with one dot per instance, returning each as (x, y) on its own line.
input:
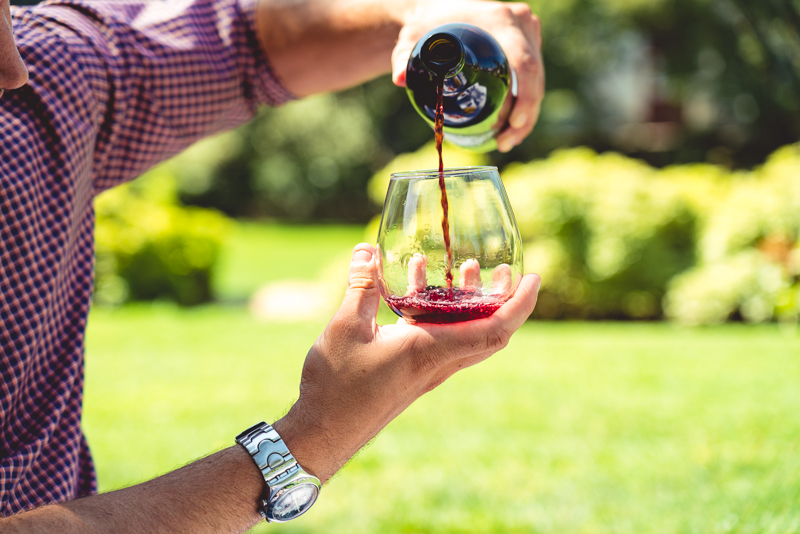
(216, 494)
(357, 377)
(317, 46)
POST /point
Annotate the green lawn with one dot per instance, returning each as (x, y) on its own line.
(257, 253)
(574, 428)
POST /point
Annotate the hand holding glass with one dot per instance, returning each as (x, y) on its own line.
(486, 265)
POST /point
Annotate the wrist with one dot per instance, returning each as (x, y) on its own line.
(302, 440)
(311, 444)
(289, 490)
(249, 478)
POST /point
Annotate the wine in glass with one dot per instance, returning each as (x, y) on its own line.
(435, 270)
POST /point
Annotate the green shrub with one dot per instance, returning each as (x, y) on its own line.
(149, 247)
(604, 232)
(309, 160)
(747, 283)
(749, 250)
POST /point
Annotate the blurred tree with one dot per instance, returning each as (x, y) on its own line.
(308, 160)
(670, 81)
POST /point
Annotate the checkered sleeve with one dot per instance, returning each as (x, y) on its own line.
(158, 75)
(115, 87)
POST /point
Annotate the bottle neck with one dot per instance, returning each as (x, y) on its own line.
(442, 54)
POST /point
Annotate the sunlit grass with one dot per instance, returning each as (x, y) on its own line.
(257, 253)
(573, 428)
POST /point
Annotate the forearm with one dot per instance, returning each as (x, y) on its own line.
(216, 494)
(324, 45)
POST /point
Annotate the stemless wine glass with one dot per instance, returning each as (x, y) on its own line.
(486, 264)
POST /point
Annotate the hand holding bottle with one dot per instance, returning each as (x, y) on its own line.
(318, 46)
(517, 31)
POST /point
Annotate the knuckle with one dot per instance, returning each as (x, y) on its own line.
(361, 281)
(497, 339)
(506, 12)
(521, 10)
(527, 62)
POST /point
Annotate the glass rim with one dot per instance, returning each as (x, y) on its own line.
(434, 173)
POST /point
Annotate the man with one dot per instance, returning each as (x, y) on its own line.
(116, 87)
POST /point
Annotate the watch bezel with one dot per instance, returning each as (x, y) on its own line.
(285, 489)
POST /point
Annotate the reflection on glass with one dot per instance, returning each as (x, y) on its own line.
(486, 249)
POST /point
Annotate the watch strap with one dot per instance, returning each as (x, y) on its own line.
(268, 450)
(273, 459)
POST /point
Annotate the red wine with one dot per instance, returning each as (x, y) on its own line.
(439, 134)
(439, 305)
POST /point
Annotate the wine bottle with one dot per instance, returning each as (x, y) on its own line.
(479, 84)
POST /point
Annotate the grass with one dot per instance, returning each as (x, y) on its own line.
(257, 253)
(574, 428)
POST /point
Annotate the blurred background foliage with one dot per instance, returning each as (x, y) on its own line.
(665, 81)
(148, 246)
(617, 239)
(670, 210)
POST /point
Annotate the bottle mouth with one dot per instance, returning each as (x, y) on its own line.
(443, 54)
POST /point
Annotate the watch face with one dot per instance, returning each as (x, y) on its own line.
(294, 502)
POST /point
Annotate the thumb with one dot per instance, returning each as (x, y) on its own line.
(362, 298)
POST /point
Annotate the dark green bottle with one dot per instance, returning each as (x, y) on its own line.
(479, 85)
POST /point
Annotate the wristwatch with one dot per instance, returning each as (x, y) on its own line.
(289, 491)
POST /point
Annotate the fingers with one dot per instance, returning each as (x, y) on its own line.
(399, 65)
(519, 33)
(362, 298)
(523, 48)
(475, 340)
(501, 280)
(417, 280)
(516, 311)
(470, 274)
(516, 29)
(405, 44)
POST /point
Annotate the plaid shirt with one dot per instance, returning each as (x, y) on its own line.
(115, 87)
